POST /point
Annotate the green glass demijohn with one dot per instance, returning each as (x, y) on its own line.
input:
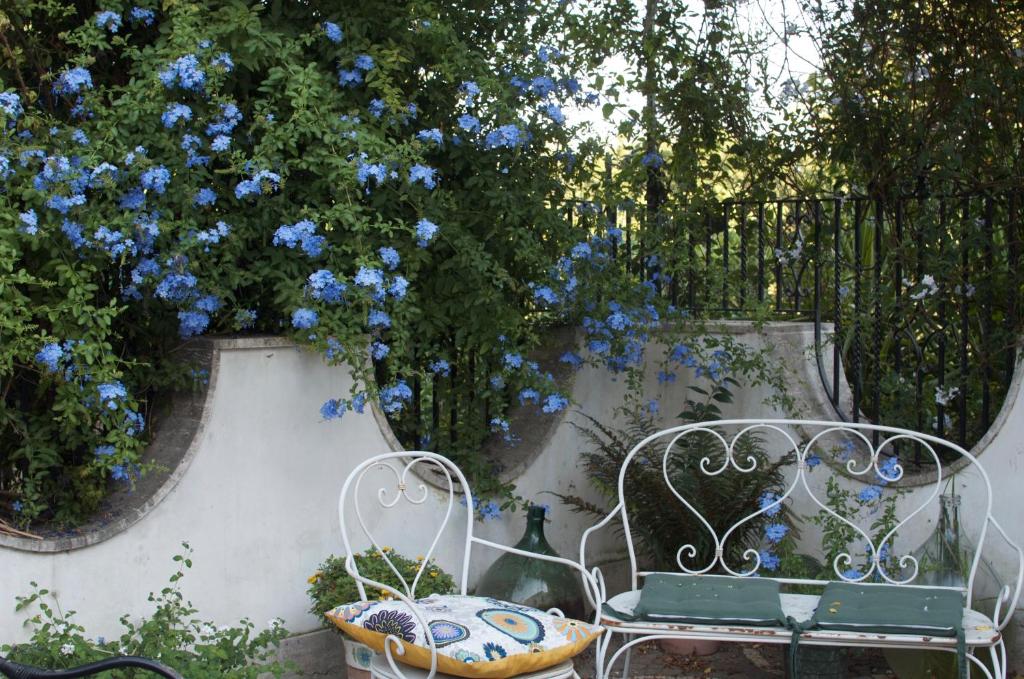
(532, 582)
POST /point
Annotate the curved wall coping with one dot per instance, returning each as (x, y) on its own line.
(175, 444)
(177, 439)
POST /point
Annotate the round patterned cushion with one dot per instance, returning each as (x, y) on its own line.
(474, 636)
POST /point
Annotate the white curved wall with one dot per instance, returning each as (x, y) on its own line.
(258, 501)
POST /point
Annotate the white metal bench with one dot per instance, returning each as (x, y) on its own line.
(803, 439)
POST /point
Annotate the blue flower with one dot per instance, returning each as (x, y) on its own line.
(851, 574)
(108, 20)
(348, 78)
(666, 377)
(554, 403)
(545, 294)
(379, 350)
(393, 397)
(333, 32)
(303, 318)
(208, 303)
(377, 107)
(192, 323)
(768, 560)
(377, 171)
(111, 393)
(73, 232)
(398, 288)
(390, 257)
(332, 409)
(507, 136)
(652, 159)
(140, 15)
(512, 361)
(490, 510)
(119, 472)
(204, 197)
(766, 501)
(156, 179)
(440, 367)
(185, 73)
(469, 123)
(227, 119)
(80, 137)
(220, 143)
(528, 395)
(301, 234)
(29, 222)
(223, 60)
(572, 358)
(176, 287)
(813, 461)
(323, 286)
(378, 319)
(423, 174)
(471, 90)
(368, 277)
(10, 104)
(870, 494)
(425, 232)
(775, 532)
(214, 235)
(432, 135)
(104, 451)
(49, 356)
(890, 470)
(555, 113)
(71, 81)
(542, 85)
(262, 182)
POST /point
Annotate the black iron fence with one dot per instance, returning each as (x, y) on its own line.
(915, 302)
(922, 292)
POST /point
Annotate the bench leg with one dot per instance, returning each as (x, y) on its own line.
(981, 666)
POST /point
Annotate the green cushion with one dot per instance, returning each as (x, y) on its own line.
(890, 609)
(708, 600)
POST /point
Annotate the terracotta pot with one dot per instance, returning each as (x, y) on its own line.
(689, 646)
(357, 657)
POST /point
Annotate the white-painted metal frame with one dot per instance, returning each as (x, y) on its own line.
(405, 493)
(803, 438)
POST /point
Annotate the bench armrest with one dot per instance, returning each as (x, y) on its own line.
(1005, 596)
(596, 570)
(592, 586)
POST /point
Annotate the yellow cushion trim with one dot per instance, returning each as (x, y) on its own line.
(509, 666)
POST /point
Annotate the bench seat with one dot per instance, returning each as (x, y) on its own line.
(979, 629)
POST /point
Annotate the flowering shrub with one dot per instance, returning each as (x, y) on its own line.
(195, 648)
(369, 182)
(331, 585)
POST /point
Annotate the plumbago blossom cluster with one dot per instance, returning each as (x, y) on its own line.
(868, 507)
(147, 212)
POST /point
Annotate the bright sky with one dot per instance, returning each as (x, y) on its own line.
(791, 53)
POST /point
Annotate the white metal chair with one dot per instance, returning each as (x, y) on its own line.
(404, 491)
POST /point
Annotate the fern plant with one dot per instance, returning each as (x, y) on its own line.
(660, 524)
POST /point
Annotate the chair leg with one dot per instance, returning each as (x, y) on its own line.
(629, 653)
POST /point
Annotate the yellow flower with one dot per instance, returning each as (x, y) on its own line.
(313, 579)
(385, 549)
(420, 558)
(433, 574)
